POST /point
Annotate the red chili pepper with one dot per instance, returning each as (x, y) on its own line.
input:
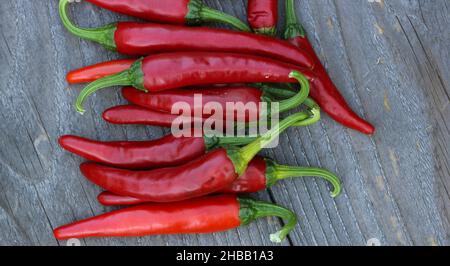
(248, 96)
(201, 215)
(97, 71)
(205, 175)
(177, 70)
(336, 105)
(143, 39)
(168, 11)
(260, 174)
(262, 16)
(164, 152)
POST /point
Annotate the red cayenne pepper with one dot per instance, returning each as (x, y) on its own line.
(260, 174)
(336, 105)
(205, 175)
(249, 96)
(202, 215)
(177, 70)
(169, 11)
(133, 38)
(164, 152)
(262, 16)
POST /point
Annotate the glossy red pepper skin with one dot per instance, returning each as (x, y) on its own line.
(97, 71)
(167, 11)
(211, 172)
(200, 215)
(144, 39)
(136, 115)
(165, 100)
(253, 180)
(164, 152)
(177, 70)
(262, 15)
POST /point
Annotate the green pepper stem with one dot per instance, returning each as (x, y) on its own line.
(293, 28)
(103, 35)
(314, 111)
(211, 15)
(277, 92)
(251, 210)
(119, 79)
(130, 77)
(278, 172)
(300, 97)
(243, 156)
(272, 31)
(214, 142)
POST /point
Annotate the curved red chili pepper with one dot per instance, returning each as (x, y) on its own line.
(97, 71)
(262, 15)
(165, 100)
(164, 152)
(133, 38)
(201, 215)
(169, 11)
(331, 101)
(260, 174)
(177, 70)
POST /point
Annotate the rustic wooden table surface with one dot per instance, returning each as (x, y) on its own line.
(390, 58)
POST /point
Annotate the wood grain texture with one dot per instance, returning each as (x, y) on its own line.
(390, 59)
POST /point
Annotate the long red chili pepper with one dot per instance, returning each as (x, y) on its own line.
(262, 16)
(201, 215)
(169, 11)
(177, 70)
(164, 152)
(336, 105)
(205, 175)
(249, 96)
(143, 39)
(260, 174)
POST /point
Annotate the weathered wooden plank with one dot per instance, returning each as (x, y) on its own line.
(390, 59)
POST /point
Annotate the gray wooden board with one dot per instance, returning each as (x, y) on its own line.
(390, 58)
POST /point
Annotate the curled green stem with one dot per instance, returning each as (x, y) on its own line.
(251, 210)
(293, 28)
(278, 172)
(102, 35)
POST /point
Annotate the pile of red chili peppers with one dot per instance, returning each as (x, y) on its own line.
(193, 184)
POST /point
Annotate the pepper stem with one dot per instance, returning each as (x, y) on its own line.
(300, 97)
(293, 28)
(243, 156)
(103, 35)
(271, 31)
(278, 172)
(130, 77)
(212, 15)
(251, 210)
(119, 79)
(214, 142)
